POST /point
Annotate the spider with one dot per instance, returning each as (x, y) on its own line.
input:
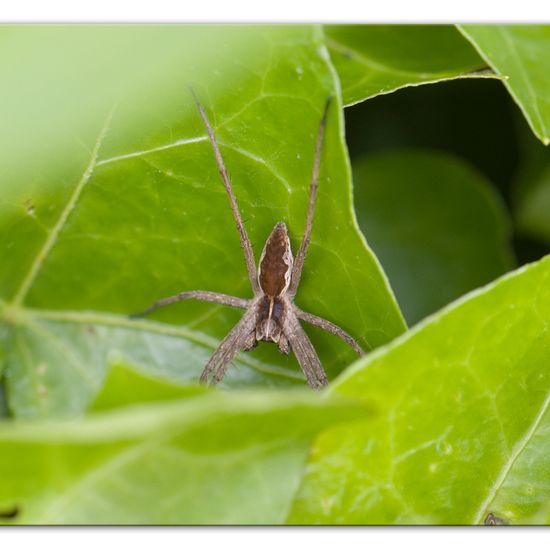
(270, 315)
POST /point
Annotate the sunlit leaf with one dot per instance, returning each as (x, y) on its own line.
(125, 386)
(215, 459)
(464, 419)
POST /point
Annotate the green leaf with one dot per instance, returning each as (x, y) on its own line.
(436, 224)
(520, 54)
(3, 404)
(125, 386)
(217, 459)
(141, 213)
(58, 360)
(463, 418)
(379, 59)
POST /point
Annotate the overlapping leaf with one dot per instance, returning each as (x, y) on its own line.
(520, 54)
(464, 419)
(379, 59)
(215, 459)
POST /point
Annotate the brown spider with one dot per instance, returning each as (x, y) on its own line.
(271, 314)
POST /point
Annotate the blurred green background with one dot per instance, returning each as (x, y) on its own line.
(477, 120)
(433, 259)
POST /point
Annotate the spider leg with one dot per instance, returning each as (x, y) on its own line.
(329, 327)
(237, 338)
(251, 342)
(245, 241)
(203, 295)
(302, 251)
(305, 352)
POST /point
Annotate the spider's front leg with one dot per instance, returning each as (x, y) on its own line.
(202, 295)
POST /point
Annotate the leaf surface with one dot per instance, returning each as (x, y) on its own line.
(520, 54)
(463, 418)
(215, 459)
(379, 59)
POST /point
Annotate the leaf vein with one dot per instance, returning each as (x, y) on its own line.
(134, 154)
(516, 451)
(117, 321)
(66, 212)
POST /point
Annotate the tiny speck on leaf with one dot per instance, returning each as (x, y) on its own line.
(29, 207)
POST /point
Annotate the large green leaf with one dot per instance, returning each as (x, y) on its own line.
(520, 54)
(217, 459)
(379, 59)
(464, 418)
(437, 226)
(141, 213)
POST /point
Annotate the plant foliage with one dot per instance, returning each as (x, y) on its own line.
(111, 199)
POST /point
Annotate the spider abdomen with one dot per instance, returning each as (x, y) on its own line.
(276, 262)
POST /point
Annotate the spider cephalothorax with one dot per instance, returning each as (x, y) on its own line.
(271, 314)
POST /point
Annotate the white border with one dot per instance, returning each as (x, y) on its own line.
(281, 11)
(266, 538)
